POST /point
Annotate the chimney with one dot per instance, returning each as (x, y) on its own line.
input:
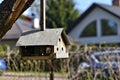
(116, 2)
(42, 18)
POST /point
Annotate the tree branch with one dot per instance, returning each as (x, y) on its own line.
(10, 11)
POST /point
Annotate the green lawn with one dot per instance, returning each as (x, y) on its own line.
(1, 79)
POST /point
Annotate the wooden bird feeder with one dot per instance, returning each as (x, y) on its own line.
(51, 43)
(44, 43)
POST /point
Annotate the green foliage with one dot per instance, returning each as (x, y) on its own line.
(74, 47)
(111, 78)
(60, 13)
(3, 50)
(5, 47)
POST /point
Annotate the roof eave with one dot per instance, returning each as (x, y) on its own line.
(108, 11)
(65, 37)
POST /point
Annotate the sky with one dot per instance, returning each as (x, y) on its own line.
(82, 5)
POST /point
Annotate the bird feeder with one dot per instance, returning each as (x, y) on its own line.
(44, 43)
(47, 44)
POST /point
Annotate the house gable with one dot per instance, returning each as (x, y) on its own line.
(97, 14)
(114, 10)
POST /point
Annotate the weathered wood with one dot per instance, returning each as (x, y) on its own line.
(42, 17)
(10, 10)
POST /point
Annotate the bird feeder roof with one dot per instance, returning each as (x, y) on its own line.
(46, 37)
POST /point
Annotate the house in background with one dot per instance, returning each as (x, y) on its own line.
(23, 24)
(100, 23)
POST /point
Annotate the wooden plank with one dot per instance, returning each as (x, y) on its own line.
(36, 58)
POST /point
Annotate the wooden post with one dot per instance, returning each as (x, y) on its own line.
(50, 62)
(42, 19)
(51, 74)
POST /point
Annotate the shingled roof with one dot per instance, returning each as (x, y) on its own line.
(17, 29)
(114, 10)
(46, 37)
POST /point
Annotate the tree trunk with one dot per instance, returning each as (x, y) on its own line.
(10, 10)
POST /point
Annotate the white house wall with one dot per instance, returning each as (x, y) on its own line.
(96, 14)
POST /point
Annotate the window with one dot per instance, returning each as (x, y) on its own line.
(109, 27)
(90, 30)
